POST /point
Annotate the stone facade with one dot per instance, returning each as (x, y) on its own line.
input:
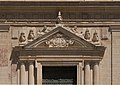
(59, 34)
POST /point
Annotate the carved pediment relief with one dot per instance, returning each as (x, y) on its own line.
(59, 40)
(59, 37)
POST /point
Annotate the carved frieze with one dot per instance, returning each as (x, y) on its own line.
(25, 35)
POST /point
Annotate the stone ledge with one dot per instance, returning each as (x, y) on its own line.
(115, 28)
(4, 28)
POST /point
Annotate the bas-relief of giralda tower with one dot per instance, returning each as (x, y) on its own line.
(59, 42)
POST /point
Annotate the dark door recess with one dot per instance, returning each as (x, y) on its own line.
(53, 75)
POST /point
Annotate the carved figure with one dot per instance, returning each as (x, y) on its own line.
(81, 34)
(74, 29)
(95, 37)
(43, 31)
(31, 35)
(22, 37)
(87, 35)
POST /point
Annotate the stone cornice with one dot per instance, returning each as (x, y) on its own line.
(99, 51)
(4, 28)
(88, 6)
(60, 3)
(59, 54)
(114, 28)
(58, 58)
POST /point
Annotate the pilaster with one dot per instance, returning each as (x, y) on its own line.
(96, 73)
(79, 73)
(31, 73)
(39, 74)
(22, 73)
(87, 73)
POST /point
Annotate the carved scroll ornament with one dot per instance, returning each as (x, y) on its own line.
(59, 41)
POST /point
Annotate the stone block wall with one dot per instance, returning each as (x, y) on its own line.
(5, 52)
(116, 58)
(105, 65)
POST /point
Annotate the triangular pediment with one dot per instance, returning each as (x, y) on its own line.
(60, 37)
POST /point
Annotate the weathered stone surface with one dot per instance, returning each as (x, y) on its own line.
(105, 65)
(3, 56)
(109, 64)
(115, 57)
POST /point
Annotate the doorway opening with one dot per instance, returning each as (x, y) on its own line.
(60, 75)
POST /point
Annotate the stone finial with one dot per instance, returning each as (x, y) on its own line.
(31, 35)
(87, 35)
(59, 18)
(22, 37)
(95, 37)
